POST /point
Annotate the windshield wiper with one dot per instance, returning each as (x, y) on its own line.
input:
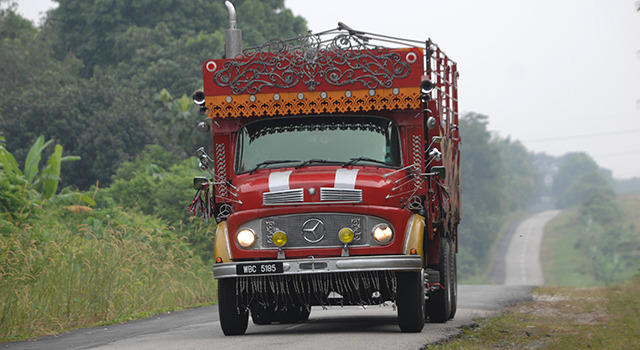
(269, 162)
(366, 159)
(317, 160)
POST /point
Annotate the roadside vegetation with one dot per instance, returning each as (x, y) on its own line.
(591, 262)
(596, 240)
(561, 318)
(66, 262)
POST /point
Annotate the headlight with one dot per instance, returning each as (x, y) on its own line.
(346, 235)
(246, 238)
(383, 233)
(279, 238)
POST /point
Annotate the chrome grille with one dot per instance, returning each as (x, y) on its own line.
(280, 197)
(314, 230)
(329, 194)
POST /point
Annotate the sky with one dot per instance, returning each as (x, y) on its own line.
(558, 75)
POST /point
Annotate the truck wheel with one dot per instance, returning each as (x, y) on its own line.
(439, 303)
(262, 315)
(410, 301)
(232, 319)
(454, 279)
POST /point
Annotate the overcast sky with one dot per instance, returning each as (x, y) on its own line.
(559, 75)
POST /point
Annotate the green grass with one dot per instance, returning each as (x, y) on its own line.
(563, 264)
(561, 318)
(67, 270)
(567, 253)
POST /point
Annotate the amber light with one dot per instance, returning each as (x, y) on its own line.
(218, 260)
(413, 251)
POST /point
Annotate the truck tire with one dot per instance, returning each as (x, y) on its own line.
(233, 319)
(410, 301)
(454, 279)
(439, 303)
(262, 315)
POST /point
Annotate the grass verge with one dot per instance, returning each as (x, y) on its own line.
(561, 318)
(67, 270)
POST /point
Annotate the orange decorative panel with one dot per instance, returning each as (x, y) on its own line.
(318, 102)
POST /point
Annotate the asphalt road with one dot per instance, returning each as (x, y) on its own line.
(350, 327)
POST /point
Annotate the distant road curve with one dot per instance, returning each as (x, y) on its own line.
(522, 259)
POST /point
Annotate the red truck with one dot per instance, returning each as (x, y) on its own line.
(334, 177)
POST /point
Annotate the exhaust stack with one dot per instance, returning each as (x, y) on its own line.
(233, 35)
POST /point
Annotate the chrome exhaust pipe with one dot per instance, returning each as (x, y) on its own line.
(233, 35)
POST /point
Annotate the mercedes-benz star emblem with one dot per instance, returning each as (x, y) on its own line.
(313, 230)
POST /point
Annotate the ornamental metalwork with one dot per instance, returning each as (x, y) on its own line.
(344, 60)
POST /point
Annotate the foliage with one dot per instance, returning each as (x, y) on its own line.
(578, 177)
(595, 243)
(175, 120)
(99, 77)
(67, 270)
(157, 184)
(24, 190)
(77, 23)
(497, 178)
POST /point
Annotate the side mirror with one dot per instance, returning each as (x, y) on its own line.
(440, 170)
(431, 123)
(199, 182)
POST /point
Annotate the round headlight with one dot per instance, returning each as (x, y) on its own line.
(383, 233)
(279, 238)
(346, 235)
(246, 238)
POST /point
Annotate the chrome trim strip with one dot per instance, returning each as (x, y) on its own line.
(328, 194)
(226, 232)
(283, 197)
(327, 265)
(407, 233)
(316, 203)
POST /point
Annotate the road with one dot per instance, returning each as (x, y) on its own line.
(522, 259)
(350, 327)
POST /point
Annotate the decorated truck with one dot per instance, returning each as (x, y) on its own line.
(333, 177)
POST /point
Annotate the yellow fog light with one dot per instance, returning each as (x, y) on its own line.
(279, 238)
(346, 235)
(246, 238)
(382, 233)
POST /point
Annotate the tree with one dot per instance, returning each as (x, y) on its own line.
(569, 180)
(91, 29)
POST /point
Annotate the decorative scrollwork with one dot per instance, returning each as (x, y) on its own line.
(344, 60)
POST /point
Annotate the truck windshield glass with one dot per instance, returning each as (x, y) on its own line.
(318, 140)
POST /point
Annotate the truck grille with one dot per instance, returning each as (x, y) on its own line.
(314, 230)
(328, 194)
(280, 197)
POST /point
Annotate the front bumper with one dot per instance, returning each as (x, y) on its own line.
(321, 265)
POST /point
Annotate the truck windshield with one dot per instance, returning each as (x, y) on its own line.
(318, 140)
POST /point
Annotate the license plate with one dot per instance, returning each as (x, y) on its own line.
(259, 268)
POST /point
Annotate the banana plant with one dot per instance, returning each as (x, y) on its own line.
(44, 181)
